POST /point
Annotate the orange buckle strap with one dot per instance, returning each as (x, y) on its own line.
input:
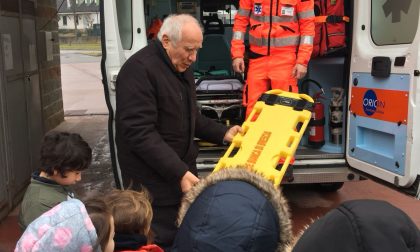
(331, 19)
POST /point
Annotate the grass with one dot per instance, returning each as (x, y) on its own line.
(90, 53)
(81, 46)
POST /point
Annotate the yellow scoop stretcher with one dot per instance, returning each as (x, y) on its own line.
(271, 132)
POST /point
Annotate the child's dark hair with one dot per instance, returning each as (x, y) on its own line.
(100, 215)
(63, 151)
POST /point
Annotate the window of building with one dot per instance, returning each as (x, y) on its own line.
(394, 22)
(64, 20)
(125, 23)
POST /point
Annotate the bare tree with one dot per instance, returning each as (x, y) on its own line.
(75, 17)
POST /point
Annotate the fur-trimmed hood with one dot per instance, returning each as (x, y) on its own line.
(233, 210)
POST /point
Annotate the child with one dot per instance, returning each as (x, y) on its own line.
(63, 157)
(102, 220)
(233, 210)
(71, 226)
(133, 214)
(361, 225)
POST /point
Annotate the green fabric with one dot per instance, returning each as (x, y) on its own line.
(202, 73)
(39, 198)
(214, 55)
(219, 73)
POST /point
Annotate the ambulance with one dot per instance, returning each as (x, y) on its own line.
(367, 120)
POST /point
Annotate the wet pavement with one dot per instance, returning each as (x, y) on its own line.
(94, 129)
(307, 203)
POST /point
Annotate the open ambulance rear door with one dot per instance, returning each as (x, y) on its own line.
(123, 33)
(383, 127)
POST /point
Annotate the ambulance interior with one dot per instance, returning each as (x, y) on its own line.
(213, 62)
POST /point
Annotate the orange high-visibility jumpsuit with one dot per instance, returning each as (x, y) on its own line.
(154, 28)
(281, 35)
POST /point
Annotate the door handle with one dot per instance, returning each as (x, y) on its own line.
(381, 67)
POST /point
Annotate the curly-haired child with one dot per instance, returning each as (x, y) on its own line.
(132, 212)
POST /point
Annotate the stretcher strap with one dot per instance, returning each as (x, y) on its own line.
(296, 104)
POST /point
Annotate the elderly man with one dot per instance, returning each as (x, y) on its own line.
(157, 120)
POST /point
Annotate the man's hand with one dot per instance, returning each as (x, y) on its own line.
(299, 71)
(231, 133)
(238, 65)
(188, 181)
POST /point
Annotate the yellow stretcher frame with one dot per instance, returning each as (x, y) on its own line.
(272, 131)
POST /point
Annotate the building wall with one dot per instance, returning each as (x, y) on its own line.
(86, 20)
(30, 91)
(50, 72)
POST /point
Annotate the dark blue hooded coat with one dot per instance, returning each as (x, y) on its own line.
(233, 210)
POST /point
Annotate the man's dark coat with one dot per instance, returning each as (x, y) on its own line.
(156, 121)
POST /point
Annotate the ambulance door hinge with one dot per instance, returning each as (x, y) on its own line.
(416, 73)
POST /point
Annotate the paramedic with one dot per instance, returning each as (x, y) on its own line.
(157, 120)
(281, 35)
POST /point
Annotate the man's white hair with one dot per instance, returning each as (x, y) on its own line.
(173, 24)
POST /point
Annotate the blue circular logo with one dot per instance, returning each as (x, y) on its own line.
(369, 102)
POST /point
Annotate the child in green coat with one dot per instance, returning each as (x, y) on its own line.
(63, 158)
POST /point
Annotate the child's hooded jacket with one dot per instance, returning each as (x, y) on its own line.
(233, 210)
(66, 228)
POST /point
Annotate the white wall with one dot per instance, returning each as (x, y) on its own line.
(86, 20)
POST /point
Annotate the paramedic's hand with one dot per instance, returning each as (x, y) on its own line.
(188, 181)
(231, 133)
(299, 71)
(238, 65)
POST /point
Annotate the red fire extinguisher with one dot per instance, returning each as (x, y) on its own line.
(316, 138)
